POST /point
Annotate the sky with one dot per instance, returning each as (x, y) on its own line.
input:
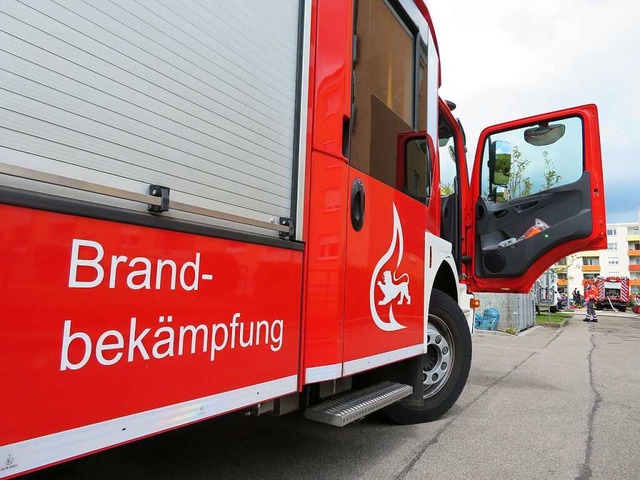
(503, 60)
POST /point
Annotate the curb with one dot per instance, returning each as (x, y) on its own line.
(553, 324)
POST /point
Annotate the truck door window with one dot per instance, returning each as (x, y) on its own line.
(532, 159)
(448, 162)
(390, 98)
(450, 219)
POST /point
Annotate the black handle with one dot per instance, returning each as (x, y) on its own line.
(357, 204)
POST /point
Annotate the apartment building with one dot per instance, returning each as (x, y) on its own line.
(620, 259)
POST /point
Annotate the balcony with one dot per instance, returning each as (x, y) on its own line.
(634, 268)
(563, 282)
(634, 282)
(633, 253)
(633, 238)
(592, 268)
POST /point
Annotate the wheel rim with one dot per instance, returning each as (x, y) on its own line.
(438, 361)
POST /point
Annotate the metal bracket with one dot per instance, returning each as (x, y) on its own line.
(287, 222)
(163, 194)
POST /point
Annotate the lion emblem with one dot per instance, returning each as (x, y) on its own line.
(391, 288)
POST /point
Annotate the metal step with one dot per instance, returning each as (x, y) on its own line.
(345, 408)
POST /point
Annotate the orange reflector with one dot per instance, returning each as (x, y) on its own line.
(475, 303)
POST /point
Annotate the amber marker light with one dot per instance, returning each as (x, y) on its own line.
(475, 303)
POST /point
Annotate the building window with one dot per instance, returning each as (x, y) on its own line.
(633, 230)
(613, 261)
(612, 246)
(562, 262)
(590, 276)
(612, 231)
(562, 276)
(590, 261)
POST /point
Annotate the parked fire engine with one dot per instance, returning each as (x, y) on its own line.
(214, 207)
(613, 292)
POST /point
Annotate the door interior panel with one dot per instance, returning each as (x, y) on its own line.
(566, 210)
(450, 224)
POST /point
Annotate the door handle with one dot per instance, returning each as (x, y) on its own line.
(357, 204)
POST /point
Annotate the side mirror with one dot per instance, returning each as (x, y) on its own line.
(499, 163)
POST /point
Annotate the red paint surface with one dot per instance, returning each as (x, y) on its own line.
(259, 282)
(364, 249)
(326, 256)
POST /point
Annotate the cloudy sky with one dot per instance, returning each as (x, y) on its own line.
(503, 60)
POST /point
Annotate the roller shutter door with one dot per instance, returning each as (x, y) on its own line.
(197, 96)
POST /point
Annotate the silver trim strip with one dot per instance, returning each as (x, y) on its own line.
(52, 179)
(367, 363)
(302, 132)
(325, 372)
(37, 452)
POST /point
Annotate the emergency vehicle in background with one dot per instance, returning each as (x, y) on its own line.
(210, 207)
(613, 292)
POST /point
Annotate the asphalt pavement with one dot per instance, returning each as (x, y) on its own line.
(548, 404)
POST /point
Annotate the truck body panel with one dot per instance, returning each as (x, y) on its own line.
(143, 320)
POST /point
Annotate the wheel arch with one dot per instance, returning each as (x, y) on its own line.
(446, 280)
(441, 273)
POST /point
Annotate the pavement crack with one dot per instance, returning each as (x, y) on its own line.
(405, 471)
(585, 468)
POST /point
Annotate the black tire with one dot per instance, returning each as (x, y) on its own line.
(447, 317)
(553, 309)
(622, 309)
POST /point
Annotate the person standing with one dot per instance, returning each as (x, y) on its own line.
(591, 295)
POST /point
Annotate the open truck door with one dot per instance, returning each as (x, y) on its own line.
(536, 196)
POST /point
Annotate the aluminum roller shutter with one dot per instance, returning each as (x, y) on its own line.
(197, 96)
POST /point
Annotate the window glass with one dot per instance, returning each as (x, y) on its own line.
(612, 246)
(590, 261)
(612, 231)
(541, 157)
(448, 167)
(613, 261)
(384, 97)
(417, 170)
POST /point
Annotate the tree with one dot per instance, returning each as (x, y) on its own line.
(551, 177)
(446, 189)
(519, 184)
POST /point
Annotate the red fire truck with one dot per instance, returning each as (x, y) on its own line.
(613, 292)
(214, 207)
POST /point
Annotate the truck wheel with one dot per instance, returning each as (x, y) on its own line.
(622, 309)
(445, 366)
